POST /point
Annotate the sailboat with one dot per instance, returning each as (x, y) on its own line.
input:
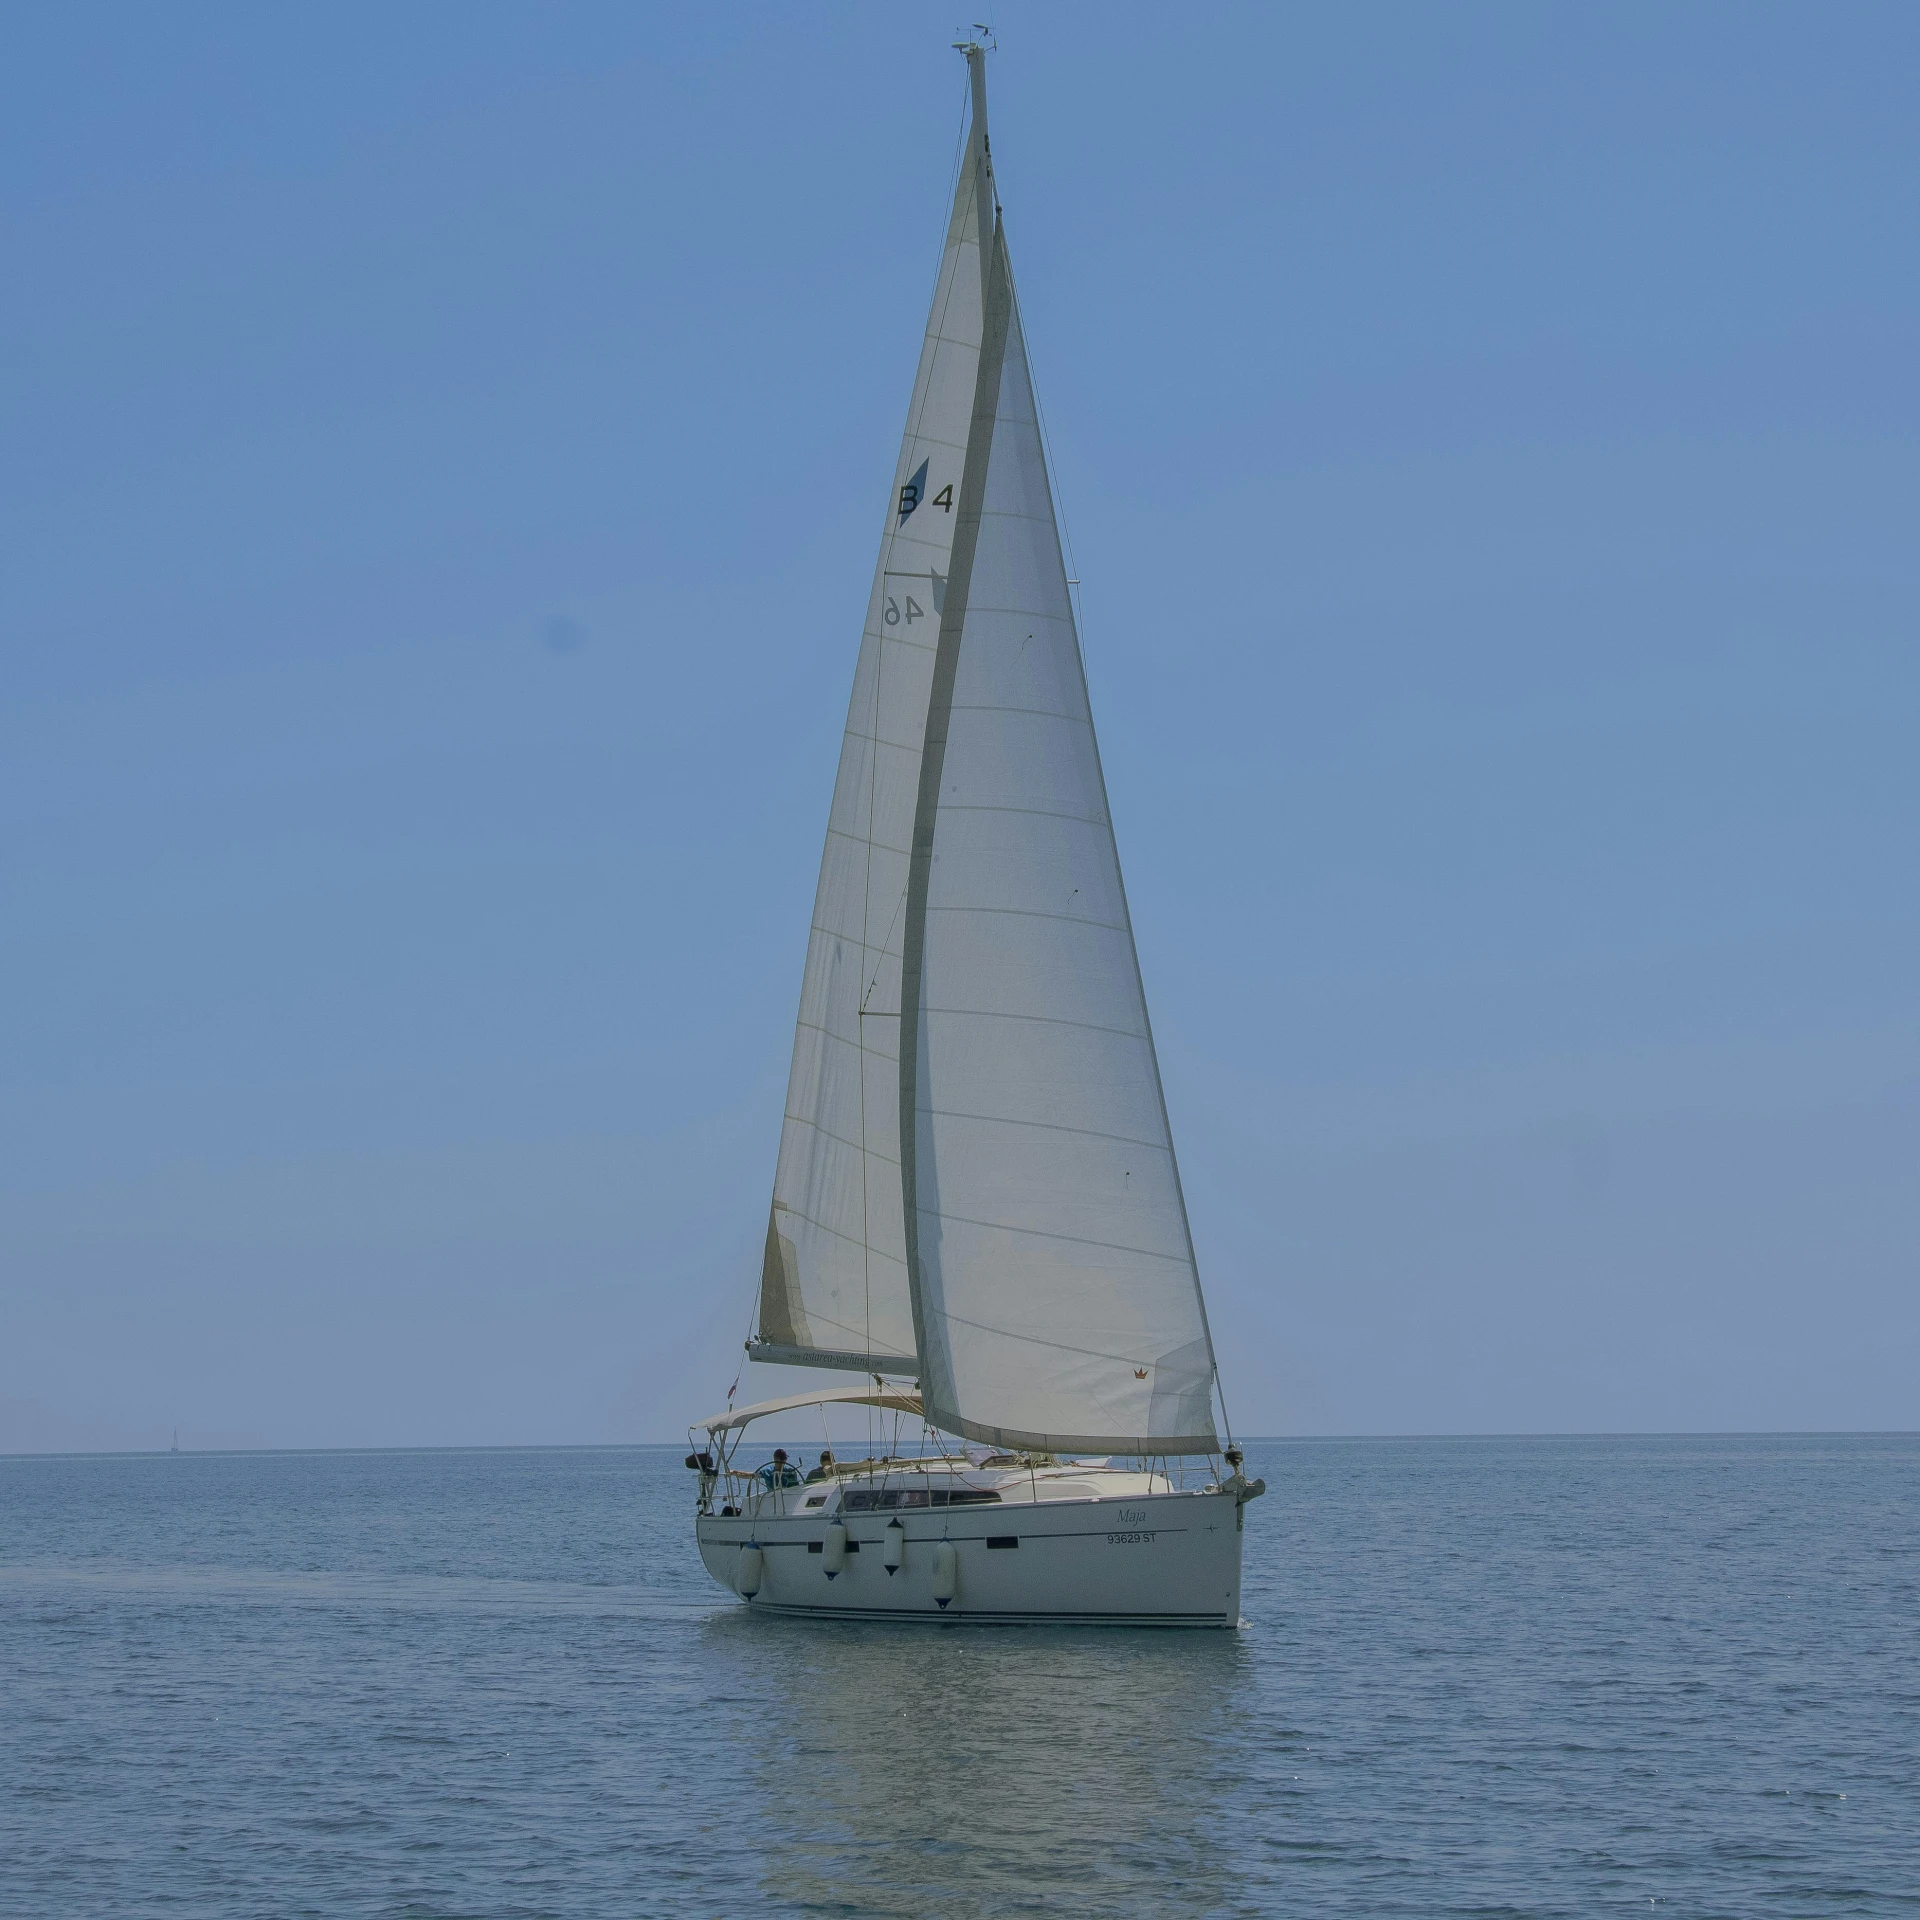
(976, 1208)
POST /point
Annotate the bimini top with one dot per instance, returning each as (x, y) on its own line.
(898, 1399)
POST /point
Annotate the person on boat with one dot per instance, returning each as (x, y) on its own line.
(778, 1473)
(823, 1469)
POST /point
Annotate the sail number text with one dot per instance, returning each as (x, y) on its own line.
(913, 491)
(910, 498)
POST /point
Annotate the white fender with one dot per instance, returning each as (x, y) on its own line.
(896, 1548)
(946, 1571)
(747, 1576)
(834, 1554)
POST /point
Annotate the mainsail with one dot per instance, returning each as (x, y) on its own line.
(833, 1290)
(977, 1182)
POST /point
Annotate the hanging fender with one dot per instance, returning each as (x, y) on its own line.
(946, 1572)
(834, 1555)
(895, 1550)
(747, 1576)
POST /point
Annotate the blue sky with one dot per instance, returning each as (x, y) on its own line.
(443, 453)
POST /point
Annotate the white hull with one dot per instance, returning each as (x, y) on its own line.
(1160, 1559)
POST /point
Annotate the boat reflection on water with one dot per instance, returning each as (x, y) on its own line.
(896, 1770)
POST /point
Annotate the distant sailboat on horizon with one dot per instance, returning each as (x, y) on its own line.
(977, 1204)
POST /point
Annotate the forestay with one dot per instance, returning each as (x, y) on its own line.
(834, 1279)
(1055, 1293)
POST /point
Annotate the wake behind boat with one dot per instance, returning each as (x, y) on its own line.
(977, 1205)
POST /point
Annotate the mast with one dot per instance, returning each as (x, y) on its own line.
(976, 54)
(995, 295)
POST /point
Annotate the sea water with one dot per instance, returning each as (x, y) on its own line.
(1525, 1677)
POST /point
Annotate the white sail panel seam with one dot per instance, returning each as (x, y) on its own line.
(840, 1040)
(839, 1140)
(1033, 913)
(837, 1326)
(949, 340)
(1037, 713)
(1041, 1019)
(882, 641)
(1047, 1126)
(1023, 613)
(891, 640)
(832, 1327)
(859, 840)
(800, 1213)
(916, 441)
(1027, 1438)
(1038, 813)
(1059, 1346)
(1042, 1233)
(878, 1252)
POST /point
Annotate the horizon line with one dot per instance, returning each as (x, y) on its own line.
(1269, 1439)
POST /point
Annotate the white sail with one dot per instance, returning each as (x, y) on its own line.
(1056, 1298)
(834, 1279)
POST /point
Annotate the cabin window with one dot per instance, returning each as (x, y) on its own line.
(1003, 1539)
(886, 1499)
